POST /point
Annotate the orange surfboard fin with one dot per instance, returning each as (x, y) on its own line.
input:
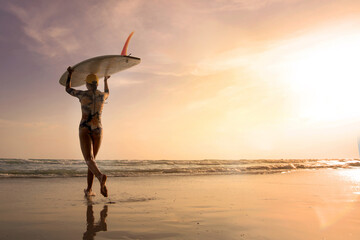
(124, 51)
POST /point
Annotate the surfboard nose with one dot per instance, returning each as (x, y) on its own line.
(124, 50)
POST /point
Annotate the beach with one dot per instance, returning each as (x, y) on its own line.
(304, 204)
(218, 120)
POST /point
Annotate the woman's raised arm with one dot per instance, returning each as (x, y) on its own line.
(68, 81)
(106, 87)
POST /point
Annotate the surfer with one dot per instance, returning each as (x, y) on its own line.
(90, 129)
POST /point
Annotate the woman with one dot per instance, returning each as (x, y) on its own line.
(90, 129)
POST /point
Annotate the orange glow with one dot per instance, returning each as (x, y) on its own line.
(255, 80)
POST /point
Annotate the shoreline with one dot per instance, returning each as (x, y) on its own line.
(315, 204)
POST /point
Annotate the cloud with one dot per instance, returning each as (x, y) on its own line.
(46, 38)
(273, 54)
(235, 58)
(238, 5)
(165, 31)
(33, 126)
(246, 58)
(171, 71)
(59, 30)
(120, 82)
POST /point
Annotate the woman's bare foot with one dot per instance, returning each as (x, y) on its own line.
(89, 193)
(103, 188)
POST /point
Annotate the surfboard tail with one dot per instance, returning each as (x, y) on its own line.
(124, 50)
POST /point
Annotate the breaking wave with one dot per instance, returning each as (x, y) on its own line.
(43, 168)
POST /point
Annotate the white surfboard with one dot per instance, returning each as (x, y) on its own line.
(101, 66)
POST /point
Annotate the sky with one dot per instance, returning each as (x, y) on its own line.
(218, 79)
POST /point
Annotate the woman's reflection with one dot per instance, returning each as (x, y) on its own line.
(92, 228)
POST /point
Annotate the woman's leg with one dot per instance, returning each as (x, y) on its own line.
(90, 176)
(96, 138)
(90, 179)
(86, 148)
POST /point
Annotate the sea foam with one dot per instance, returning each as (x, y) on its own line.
(23, 168)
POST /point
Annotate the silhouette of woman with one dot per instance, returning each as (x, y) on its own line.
(90, 129)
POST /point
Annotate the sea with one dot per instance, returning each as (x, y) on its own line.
(66, 168)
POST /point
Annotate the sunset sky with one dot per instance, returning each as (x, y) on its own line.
(220, 79)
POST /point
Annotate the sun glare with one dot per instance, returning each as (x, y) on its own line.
(352, 175)
(323, 76)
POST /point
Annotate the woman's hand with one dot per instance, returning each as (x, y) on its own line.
(106, 78)
(70, 70)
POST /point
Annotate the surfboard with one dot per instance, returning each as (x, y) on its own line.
(101, 66)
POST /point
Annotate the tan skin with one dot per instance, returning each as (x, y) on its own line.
(90, 140)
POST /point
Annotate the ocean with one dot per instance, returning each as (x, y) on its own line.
(50, 168)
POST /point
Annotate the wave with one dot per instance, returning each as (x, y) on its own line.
(45, 168)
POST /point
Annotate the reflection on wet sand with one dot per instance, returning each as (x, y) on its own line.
(91, 227)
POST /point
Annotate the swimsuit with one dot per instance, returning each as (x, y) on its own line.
(91, 108)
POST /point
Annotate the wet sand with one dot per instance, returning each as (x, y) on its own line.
(317, 204)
